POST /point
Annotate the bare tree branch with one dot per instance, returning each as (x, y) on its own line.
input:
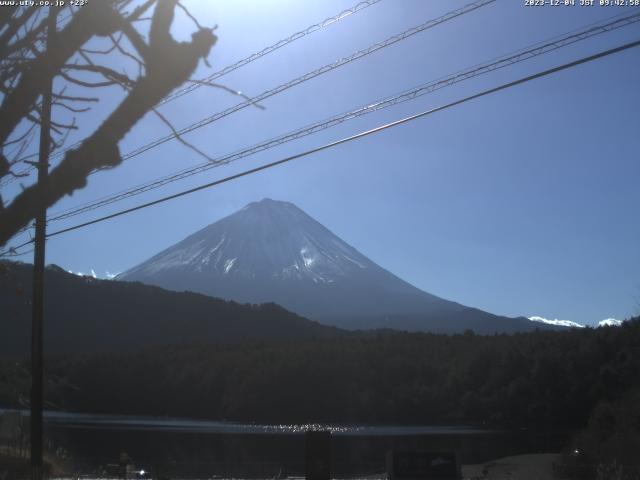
(230, 90)
(30, 37)
(188, 13)
(179, 137)
(70, 108)
(97, 18)
(101, 52)
(19, 139)
(106, 72)
(168, 64)
(60, 96)
(86, 84)
(14, 25)
(137, 41)
(141, 10)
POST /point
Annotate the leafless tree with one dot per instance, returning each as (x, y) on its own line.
(137, 32)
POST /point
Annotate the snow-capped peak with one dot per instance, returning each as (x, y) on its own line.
(267, 239)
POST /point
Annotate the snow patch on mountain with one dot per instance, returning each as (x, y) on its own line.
(228, 264)
(555, 321)
(82, 274)
(610, 322)
(607, 322)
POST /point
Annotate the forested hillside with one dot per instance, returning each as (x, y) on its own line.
(84, 314)
(538, 378)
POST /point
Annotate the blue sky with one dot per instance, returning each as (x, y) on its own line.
(521, 203)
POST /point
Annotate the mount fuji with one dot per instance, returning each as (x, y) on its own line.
(271, 251)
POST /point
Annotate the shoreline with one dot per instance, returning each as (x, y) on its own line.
(534, 466)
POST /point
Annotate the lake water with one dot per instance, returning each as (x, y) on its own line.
(187, 448)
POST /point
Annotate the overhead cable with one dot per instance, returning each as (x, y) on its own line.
(366, 133)
(271, 48)
(311, 75)
(229, 68)
(507, 60)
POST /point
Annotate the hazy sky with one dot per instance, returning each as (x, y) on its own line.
(522, 203)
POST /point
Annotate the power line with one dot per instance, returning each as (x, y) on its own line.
(380, 128)
(271, 48)
(389, 41)
(234, 66)
(480, 69)
(13, 253)
(306, 77)
(310, 75)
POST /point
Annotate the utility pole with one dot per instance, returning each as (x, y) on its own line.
(37, 376)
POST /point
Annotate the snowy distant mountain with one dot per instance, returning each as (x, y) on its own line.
(610, 322)
(271, 251)
(607, 322)
(560, 323)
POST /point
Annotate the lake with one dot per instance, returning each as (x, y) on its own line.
(189, 448)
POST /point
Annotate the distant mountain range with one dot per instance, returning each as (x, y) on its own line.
(271, 251)
(607, 322)
(86, 315)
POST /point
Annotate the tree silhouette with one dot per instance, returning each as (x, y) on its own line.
(163, 65)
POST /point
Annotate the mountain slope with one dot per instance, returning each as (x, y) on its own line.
(83, 314)
(272, 251)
